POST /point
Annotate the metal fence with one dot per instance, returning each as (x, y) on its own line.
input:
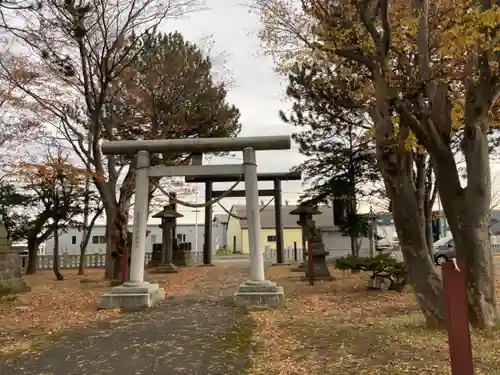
(71, 261)
(289, 254)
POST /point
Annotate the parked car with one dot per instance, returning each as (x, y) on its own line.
(444, 250)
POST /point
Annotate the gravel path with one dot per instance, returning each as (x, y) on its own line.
(193, 335)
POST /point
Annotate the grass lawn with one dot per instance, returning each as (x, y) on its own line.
(340, 328)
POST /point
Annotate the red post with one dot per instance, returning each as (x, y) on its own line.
(310, 263)
(459, 341)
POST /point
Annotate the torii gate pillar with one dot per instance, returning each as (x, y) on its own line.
(256, 292)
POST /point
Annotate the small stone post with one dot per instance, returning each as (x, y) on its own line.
(302, 267)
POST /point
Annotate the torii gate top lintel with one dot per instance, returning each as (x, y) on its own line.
(286, 176)
(196, 145)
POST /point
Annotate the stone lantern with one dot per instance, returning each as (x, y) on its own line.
(312, 235)
(168, 217)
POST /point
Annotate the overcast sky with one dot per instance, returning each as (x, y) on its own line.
(257, 91)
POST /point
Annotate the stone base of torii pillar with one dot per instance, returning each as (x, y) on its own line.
(263, 294)
(132, 296)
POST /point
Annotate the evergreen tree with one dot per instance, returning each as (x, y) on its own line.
(335, 138)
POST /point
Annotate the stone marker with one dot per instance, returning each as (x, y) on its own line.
(11, 276)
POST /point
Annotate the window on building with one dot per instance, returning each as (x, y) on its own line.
(73, 240)
(271, 238)
(181, 237)
(98, 240)
(153, 238)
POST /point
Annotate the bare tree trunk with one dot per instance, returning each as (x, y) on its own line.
(479, 268)
(85, 241)
(116, 241)
(56, 259)
(473, 247)
(352, 212)
(354, 247)
(82, 261)
(467, 211)
(32, 256)
(428, 227)
(405, 188)
(413, 241)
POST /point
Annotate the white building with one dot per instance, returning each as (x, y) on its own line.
(69, 240)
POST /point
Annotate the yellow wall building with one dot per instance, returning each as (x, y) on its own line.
(335, 243)
(268, 238)
(237, 229)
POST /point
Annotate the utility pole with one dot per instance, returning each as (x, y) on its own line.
(196, 219)
(86, 202)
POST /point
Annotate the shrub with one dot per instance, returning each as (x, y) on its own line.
(223, 250)
(382, 267)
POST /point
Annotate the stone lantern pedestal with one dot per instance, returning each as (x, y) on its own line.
(315, 241)
(168, 217)
(320, 267)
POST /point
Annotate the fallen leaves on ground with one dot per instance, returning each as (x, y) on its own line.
(50, 306)
(197, 279)
(338, 327)
(54, 306)
(194, 332)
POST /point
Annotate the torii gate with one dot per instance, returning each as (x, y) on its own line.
(276, 193)
(139, 293)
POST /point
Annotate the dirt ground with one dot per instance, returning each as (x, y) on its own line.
(339, 327)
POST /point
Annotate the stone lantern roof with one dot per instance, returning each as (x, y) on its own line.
(168, 213)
